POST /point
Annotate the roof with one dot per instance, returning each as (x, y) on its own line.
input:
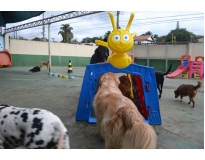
(144, 38)
(16, 16)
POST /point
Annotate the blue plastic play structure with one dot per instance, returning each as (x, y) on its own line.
(145, 78)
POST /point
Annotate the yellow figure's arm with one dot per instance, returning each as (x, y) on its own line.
(133, 34)
(102, 43)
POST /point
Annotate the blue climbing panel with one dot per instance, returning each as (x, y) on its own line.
(88, 90)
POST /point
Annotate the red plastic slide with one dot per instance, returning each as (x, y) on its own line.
(5, 58)
(177, 72)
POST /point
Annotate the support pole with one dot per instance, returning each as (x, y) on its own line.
(49, 50)
(166, 64)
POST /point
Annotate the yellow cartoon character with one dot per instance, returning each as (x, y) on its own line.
(119, 41)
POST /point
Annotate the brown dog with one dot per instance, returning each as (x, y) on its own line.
(118, 120)
(46, 63)
(125, 85)
(187, 90)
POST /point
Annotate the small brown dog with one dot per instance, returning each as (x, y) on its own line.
(118, 120)
(125, 85)
(187, 90)
(46, 63)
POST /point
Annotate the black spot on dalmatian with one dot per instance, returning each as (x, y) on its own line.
(38, 125)
(16, 124)
(4, 130)
(36, 112)
(17, 141)
(16, 113)
(5, 106)
(22, 134)
(8, 140)
(6, 146)
(51, 144)
(31, 139)
(24, 117)
(40, 142)
(2, 122)
(4, 116)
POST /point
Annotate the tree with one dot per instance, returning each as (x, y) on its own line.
(182, 35)
(65, 32)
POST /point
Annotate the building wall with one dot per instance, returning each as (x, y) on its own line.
(30, 53)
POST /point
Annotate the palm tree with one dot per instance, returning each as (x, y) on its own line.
(65, 31)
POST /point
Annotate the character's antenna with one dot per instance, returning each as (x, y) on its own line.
(112, 21)
(130, 22)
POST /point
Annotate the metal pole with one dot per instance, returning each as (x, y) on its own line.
(166, 57)
(49, 51)
(118, 13)
(43, 29)
(147, 55)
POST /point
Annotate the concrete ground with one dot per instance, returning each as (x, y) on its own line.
(182, 126)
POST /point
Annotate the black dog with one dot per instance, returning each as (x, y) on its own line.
(101, 54)
(35, 69)
(160, 79)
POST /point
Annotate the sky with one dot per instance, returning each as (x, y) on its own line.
(96, 25)
(150, 18)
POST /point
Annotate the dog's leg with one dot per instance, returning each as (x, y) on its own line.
(191, 100)
(159, 90)
(181, 98)
(193, 103)
(162, 82)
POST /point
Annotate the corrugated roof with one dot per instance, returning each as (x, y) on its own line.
(16, 16)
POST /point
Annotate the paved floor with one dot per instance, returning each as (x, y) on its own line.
(182, 126)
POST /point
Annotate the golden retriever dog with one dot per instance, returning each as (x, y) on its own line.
(187, 90)
(46, 63)
(118, 119)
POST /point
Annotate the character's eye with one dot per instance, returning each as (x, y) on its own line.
(126, 37)
(116, 38)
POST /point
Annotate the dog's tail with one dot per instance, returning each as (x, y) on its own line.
(137, 134)
(167, 72)
(198, 85)
(141, 136)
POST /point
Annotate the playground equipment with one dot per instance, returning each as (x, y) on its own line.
(120, 41)
(146, 84)
(191, 67)
(197, 68)
(184, 74)
(5, 58)
(181, 68)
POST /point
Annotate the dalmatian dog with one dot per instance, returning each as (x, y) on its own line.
(32, 128)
